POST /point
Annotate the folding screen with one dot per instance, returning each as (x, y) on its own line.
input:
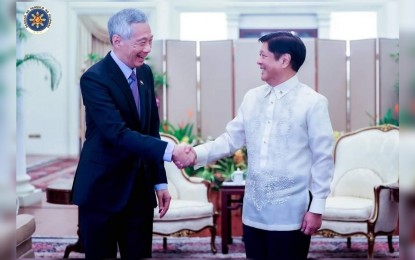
(216, 87)
(247, 72)
(228, 69)
(181, 77)
(362, 83)
(331, 79)
(307, 72)
(388, 75)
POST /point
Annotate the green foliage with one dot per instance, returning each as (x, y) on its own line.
(389, 119)
(93, 58)
(222, 169)
(183, 133)
(48, 61)
(21, 32)
(159, 78)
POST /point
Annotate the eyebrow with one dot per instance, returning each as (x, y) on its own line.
(145, 38)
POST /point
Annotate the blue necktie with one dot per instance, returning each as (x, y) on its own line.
(132, 80)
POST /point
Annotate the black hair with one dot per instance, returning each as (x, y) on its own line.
(283, 42)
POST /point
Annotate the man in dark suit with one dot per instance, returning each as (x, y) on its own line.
(121, 168)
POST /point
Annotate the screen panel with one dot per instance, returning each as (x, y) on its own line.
(362, 83)
(216, 87)
(182, 82)
(331, 78)
(307, 72)
(388, 76)
(247, 72)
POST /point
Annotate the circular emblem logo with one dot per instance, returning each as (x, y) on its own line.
(37, 19)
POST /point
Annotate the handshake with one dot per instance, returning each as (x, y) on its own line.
(184, 155)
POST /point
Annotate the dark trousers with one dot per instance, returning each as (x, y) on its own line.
(284, 245)
(131, 230)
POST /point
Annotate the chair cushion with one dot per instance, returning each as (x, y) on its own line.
(25, 227)
(7, 233)
(343, 227)
(185, 209)
(348, 209)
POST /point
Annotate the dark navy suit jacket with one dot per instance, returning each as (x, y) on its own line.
(123, 154)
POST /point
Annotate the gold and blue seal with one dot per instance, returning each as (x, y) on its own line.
(37, 19)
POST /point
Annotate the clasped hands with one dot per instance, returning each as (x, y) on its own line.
(184, 155)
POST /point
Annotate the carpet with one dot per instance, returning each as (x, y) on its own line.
(43, 174)
(199, 247)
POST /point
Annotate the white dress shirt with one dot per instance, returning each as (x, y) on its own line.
(289, 139)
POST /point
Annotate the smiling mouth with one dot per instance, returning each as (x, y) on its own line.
(141, 57)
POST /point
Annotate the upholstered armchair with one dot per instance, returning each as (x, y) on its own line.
(16, 237)
(366, 169)
(190, 210)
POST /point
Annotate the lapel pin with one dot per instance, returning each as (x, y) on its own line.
(141, 82)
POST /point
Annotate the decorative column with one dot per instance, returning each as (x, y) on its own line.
(25, 191)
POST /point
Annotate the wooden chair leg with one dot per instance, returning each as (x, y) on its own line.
(212, 239)
(370, 245)
(165, 243)
(391, 249)
(349, 242)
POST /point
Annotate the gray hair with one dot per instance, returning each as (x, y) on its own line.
(120, 23)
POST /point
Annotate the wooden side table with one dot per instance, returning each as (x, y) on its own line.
(226, 192)
(60, 193)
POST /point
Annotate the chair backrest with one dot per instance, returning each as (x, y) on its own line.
(364, 159)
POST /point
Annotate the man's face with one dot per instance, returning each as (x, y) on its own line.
(134, 50)
(271, 69)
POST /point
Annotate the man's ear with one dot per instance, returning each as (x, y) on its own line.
(116, 39)
(286, 59)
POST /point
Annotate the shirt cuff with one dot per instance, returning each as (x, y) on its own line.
(202, 156)
(317, 206)
(160, 186)
(168, 153)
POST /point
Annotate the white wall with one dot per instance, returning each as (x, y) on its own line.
(47, 112)
(288, 21)
(388, 20)
(406, 11)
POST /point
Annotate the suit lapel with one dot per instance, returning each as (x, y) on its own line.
(122, 83)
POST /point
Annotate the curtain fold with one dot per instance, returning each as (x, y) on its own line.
(99, 32)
